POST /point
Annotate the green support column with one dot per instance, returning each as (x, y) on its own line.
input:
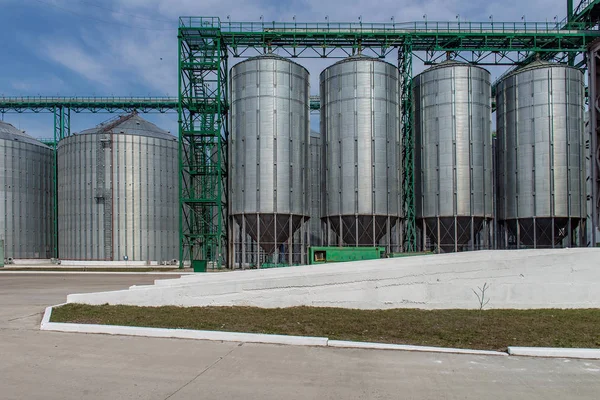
(571, 57)
(408, 178)
(203, 135)
(62, 129)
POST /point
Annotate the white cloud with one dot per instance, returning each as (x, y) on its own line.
(36, 86)
(76, 59)
(123, 55)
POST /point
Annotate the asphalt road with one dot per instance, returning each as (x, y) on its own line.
(48, 365)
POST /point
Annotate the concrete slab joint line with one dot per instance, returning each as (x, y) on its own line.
(46, 325)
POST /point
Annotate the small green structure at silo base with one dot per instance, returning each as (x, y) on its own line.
(199, 265)
(323, 255)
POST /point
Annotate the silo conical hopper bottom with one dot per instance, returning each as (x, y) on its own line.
(361, 230)
(269, 230)
(454, 233)
(539, 232)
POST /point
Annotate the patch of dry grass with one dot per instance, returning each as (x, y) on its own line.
(486, 330)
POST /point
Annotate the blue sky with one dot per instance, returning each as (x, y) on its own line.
(129, 47)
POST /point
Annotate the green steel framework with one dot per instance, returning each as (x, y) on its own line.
(408, 178)
(481, 43)
(206, 43)
(203, 135)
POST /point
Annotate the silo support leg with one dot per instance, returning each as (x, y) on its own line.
(569, 233)
(455, 234)
(424, 236)
(373, 230)
(553, 239)
(243, 242)
(535, 233)
(389, 235)
(439, 247)
(257, 241)
(302, 244)
(290, 243)
(472, 234)
(341, 231)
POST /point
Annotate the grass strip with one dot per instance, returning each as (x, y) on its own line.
(484, 330)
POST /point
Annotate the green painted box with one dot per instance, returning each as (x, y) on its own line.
(323, 255)
(199, 265)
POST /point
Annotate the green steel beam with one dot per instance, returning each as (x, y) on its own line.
(315, 103)
(88, 104)
(484, 43)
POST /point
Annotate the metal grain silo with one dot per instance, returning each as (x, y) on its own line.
(541, 162)
(360, 127)
(316, 158)
(269, 151)
(26, 173)
(453, 156)
(118, 193)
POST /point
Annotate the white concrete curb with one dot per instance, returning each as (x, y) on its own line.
(46, 325)
(592, 354)
(179, 333)
(386, 346)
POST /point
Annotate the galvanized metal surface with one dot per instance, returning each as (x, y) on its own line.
(25, 194)
(360, 124)
(541, 143)
(453, 141)
(269, 142)
(118, 193)
(453, 159)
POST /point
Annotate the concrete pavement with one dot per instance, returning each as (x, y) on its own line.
(47, 365)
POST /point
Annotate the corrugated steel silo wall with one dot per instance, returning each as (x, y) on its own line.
(26, 199)
(269, 137)
(453, 142)
(541, 160)
(360, 128)
(118, 197)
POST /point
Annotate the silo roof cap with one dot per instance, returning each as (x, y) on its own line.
(9, 132)
(538, 64)
(361, 57)
(270, 56)
(131, 124)
(452, 63)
